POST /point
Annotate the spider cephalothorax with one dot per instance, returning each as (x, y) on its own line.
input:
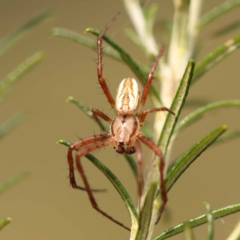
(124, 135)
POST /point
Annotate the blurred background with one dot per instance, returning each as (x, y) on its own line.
(44, 206)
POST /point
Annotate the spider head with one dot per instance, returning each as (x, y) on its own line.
(128, 96)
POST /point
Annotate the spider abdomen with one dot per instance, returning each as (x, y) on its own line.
(128, 96)
(125, 128)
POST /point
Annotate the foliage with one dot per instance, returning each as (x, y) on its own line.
(176, 72)
(6, 86)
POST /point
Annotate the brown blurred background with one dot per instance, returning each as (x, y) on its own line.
(44, 206)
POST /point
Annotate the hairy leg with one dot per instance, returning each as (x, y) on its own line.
(159, 153)
(83, 152)
(76, 146)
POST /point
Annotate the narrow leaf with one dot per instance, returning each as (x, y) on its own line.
(146, 213)
(194, 222)
(10, 124)
(7, 83)
(12, 181)
(4, 222)
(176, 107)
(191, 155)
(227, 29)
(88, 42)
(218, 11)
(188, 232)
(133, 65)
(193, 116)
(132, 164)
(115, 182)
(216, 56)
(8, 41)
(228, 136)
(210, 221)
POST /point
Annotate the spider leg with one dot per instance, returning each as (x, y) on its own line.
(140, 170)
(145, 113)
(150, 78)
(159, 153)
(76, 146)
(83, 152)
(97, 113)
(101, 79)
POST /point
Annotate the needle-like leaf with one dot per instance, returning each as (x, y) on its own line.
(191, 155)
(12, 181)
(210, 221)
(197, 114)
(216, 56)
(4, 222)
(194, 222)
(146, 213)
(11, 124)
(8, 82)
(9, 40)
(176, 107)
(218, 11)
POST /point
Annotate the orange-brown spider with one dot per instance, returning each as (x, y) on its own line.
(124, 135)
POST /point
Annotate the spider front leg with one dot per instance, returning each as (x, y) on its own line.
(76, 146)
(150, 78)
(101, 79)
(83, 152)
(159, 153)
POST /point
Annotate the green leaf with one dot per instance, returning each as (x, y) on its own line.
(133, 65)
(194, 222)
(132, 164)
(8, 41)
(216, 56)
(227, 29)
(176, 107)
(193, 116)
(191, 155)
(7, 83)
(115, 182)
(12, 181)
(196, 102)
(218, 11)
(4, 222)
(228, 136)
(210, 221)
(146, 213)
(10, 124)
(88, 42)
(188, 232)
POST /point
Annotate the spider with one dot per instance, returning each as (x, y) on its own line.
(124, 135)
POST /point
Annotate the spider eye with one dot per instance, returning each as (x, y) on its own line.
(128, 96)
